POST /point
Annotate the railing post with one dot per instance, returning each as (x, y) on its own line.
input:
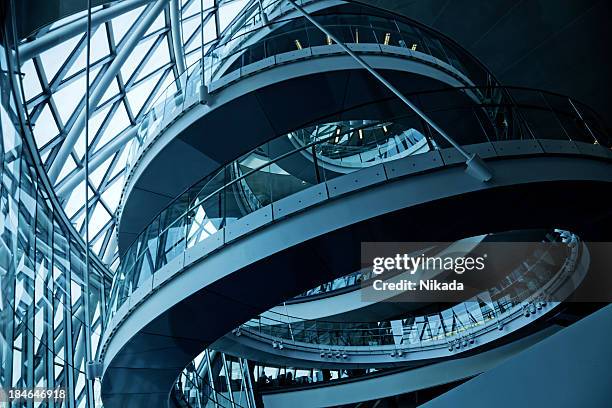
(316, 164)
(582, 119)
(427, 135)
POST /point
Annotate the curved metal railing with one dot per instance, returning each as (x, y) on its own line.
(287, 34)
(273, 172)
(527, 286)
(454, 327)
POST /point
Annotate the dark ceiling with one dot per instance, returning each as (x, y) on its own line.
(557, 45)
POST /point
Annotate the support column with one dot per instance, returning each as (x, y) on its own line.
(134, 37)
(177, 43)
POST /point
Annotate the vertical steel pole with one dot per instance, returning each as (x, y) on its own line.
(89, 395)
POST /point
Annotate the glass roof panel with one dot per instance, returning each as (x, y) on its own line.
(69, 97)
(121, 160)
(69, 166)
(190, 26)
(55, 58)
(97, 176)
(112, 194)
(31, 84)
(136, 57)
(54, 84)
(160, 57)
(190, 8)
(95, 122)
(210, 29)
(158, 24)
(99, 50)
(120, 121)
(138, 95)
(229, 11)
(45, 128)
(124, 22)
(111, 92)
(98, 218)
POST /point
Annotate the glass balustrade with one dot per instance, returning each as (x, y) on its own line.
(253, 42)
(350, 281)
(300, 159)
(521, 288)
(453, 328)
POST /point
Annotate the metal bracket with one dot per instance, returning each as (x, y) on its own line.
(477, 168)
(93, 370)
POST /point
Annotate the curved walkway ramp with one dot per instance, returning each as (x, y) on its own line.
(348, 302)
(329, 87)
(242, 270)
(569, 369)
(373, 387)
(270, 80)
(476, 323)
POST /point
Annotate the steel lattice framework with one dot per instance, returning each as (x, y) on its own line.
(138, 49)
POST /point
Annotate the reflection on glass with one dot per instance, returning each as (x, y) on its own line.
(525, 286)
(315, 154)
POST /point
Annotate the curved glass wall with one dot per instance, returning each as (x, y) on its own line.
(523, 288)
(347, 282)
(51, 313)
(282, 167)
(270, 376)
(363, 143)
(253, 43)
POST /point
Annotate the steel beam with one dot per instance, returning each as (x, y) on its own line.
(177, 43)
(54, 37)
(96, 94)
(111, 249)
(95, 160)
